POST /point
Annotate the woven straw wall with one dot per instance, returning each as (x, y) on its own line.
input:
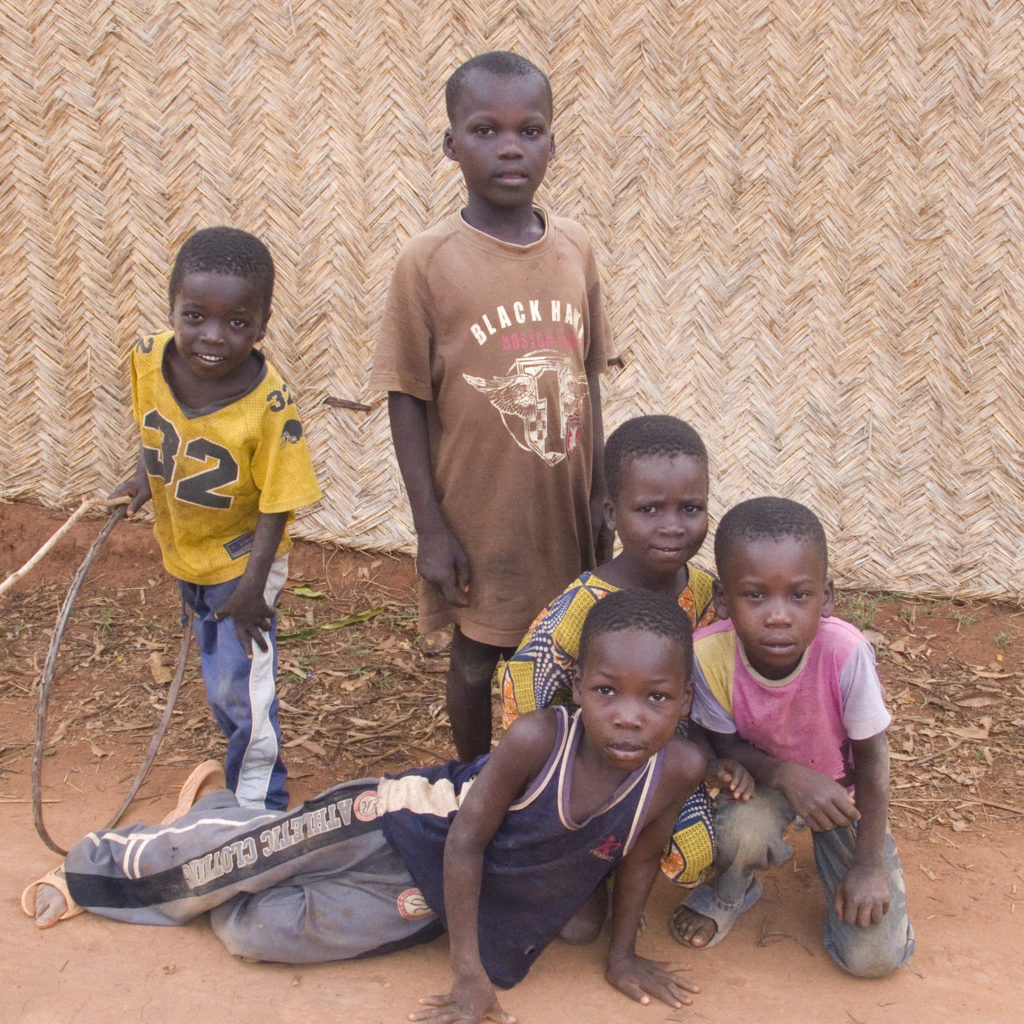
(808, 214)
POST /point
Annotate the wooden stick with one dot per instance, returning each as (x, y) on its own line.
(87, 504)
(931, 757)
(993, 803)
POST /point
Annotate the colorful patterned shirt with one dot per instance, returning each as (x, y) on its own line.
(540, 672)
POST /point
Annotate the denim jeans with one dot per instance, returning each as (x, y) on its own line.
(750, 839)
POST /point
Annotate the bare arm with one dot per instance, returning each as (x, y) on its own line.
(604, 539)
(440, 558)
(137, 488)
(821, 801)
(514, 763)
(862, 898)
(247, 606)
(631, 974)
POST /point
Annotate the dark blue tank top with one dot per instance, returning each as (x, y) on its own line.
(540, 867)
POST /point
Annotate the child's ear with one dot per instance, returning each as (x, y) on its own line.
(828, 607)
(609, 514)
(720, 601)
(448, 145)
(688, 697)
(576, 681)
(266, 320)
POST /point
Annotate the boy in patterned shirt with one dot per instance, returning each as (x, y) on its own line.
(224, 458)
(656, 470)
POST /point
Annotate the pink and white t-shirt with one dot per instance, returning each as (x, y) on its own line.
(833, 696)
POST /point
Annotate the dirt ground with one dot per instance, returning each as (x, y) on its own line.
(360, 695)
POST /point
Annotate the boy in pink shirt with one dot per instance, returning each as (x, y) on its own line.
(791, 693)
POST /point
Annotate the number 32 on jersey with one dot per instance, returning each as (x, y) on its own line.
(220, 468)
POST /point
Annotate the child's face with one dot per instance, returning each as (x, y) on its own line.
(217, 319)
(775, 592)
(632, 689)
(661, 513)
(501, 137)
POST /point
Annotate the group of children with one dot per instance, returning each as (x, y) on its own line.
(493, 339)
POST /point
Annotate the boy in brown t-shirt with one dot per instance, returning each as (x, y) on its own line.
(490, 349)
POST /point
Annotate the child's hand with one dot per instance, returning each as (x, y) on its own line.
(251, 614)
(819, 800)
(862, 897)
(640, 979)
(469, 1001)
(137, 489)
(441, 560)
(731, 777)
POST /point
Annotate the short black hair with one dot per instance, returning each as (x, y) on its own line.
(640, 609)
(224, 250)
(648, 435)
(503, 64)
(768, 518)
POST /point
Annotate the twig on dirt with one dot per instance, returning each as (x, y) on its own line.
(87, 504)
(993, 803)
(937, 753)
(432, 754)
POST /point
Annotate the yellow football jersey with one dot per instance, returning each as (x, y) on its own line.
(213, 470)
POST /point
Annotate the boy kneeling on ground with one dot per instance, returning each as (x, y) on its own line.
(501, 852)
(791, 692)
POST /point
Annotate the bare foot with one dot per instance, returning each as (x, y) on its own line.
(50, 905)
(692, 929)
(582, 929)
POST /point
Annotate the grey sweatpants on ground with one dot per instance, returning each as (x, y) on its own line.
(314, 884)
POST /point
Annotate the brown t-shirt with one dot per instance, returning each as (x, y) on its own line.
(498, 339)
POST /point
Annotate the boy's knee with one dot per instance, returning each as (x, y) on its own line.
(750, 833)
(869, 963)
(243, 933)
(472, 663)
(869, 952)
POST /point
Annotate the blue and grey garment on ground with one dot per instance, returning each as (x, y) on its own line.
(359, 869)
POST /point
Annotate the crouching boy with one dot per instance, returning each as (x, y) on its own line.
(792, 693)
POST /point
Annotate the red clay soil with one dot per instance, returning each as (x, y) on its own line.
(362, 696)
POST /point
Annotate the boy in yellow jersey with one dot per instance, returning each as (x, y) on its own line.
(224, 458)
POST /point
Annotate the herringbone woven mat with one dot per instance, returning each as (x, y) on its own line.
(809, 216)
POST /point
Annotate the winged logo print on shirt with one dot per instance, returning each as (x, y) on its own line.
(541, 402)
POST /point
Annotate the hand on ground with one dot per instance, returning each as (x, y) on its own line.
(639, 978)
(471, 1009)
